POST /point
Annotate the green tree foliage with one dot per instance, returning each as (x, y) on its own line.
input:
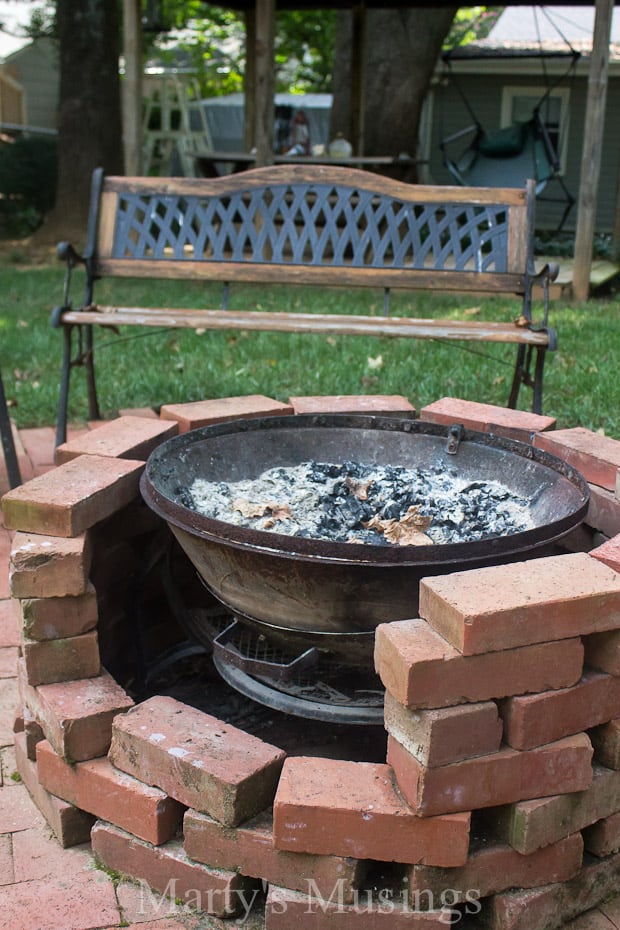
(211, 40)
(472, 23)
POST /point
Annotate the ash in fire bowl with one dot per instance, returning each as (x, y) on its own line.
(360, 503)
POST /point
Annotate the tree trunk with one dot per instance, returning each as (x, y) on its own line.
(89, 118)
(403, 48)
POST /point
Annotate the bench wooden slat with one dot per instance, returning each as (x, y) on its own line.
(267, 273)
(332, 323)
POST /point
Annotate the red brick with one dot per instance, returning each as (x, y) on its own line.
(138, 412)
(602, 651)
(603, 837)
(447, 734)
(47, 618)
(603, 511)
(38, 443)
(8, 658)
(33, 732)
(286, 909)
(124, 438)
(97, 787)
(9, 700)
(73, 497)
(609, 553)
(374, 404)
(61, 659)
(534, 719)
(221, 409)
(493, 867)
(167, 869)
(552, 905)
(7, 873)
(488, 781)
(76, 716)
(529, 825)
(341, 808)
(70, 825)
(9, 623)
(515, 424)
(249, 849)
(420, 669)
(504, 606)
(45, 566)
(597, 457)
(606, 742)
(199, 760)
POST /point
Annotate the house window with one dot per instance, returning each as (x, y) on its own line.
(519, 103)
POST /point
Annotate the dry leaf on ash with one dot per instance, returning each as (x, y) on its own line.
(279, 512)
(358, 488)
(408, 531)
(248, 509)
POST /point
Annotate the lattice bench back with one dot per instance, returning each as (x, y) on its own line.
(298, 224)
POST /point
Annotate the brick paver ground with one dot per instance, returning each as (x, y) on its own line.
(45, 887)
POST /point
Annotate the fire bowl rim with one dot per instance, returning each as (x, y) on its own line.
(279, 545)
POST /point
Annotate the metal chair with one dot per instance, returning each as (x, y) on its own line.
(8, 443)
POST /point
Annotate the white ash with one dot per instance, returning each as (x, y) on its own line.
(333, 502)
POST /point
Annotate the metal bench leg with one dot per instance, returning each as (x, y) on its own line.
(8, 443)
(63, 394)
(521, 366)
(91, 385)
(537, 387)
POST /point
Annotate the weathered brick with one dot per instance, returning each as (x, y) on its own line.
(421, 669)
(206, 412)
(341, 808)
(597, 457)
(375, 404)
(249, 849)
(197, 759)
(286, 909)
(61, 659)
(45, 618)
(609, 553)
(603, 837)
(70, 825)
(553, 905)
(128, 437)
(602, 651)
(515, 424)
(33, 732)
(73, 497)
(606, 742)
(529, 825)
(493, 867)
(167, 869)
(488, 781)
(10, 622)
(97, 787)
(447, 734)
(76, 716)
(46, 566)
(504, 606)
(603, 511)
(534, 719)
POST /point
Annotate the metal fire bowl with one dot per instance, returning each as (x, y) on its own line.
(336, 593)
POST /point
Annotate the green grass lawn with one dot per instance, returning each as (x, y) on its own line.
(147, 368)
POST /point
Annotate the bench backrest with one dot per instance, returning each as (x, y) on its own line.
(313, 224)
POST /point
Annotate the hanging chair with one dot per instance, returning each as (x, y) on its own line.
(506, 157)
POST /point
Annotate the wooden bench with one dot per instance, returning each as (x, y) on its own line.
(310, 225)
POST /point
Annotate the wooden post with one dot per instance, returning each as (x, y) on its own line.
(265, 82)
(592, 148)
(359, 57)
(249, 81)
(615, 241)
(132, 88)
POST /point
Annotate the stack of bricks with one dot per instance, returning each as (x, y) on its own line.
(502, 709)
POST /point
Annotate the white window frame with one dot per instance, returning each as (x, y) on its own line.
(510, 91)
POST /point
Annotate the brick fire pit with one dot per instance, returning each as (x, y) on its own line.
(502, 712)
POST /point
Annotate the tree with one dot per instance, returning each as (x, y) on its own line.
(403, 49)
(89, 119)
